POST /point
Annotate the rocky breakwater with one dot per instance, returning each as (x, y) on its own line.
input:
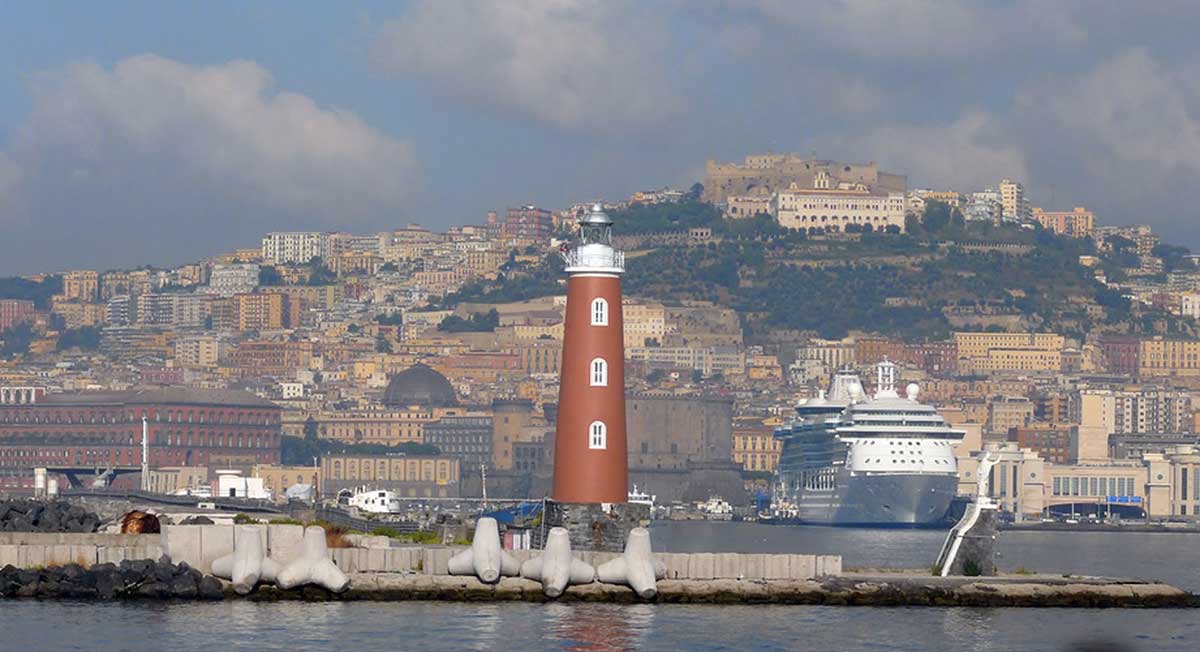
(847, 590)
(48, 516)
(130, 579)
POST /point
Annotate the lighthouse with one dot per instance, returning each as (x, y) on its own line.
(590, 459)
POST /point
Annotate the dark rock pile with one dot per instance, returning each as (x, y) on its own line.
(142, 578)
(52, 516)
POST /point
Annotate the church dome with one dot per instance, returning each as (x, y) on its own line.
(419, 385)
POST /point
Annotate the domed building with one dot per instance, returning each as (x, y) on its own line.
(419, 385)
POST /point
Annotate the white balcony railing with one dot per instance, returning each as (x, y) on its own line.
(594, 257)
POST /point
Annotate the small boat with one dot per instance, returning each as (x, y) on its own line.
(376, 501)
(716, 509)
(640, 498)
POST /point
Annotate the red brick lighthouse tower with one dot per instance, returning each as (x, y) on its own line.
(590, 461)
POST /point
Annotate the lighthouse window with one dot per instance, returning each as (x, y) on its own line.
(598, 435)
(599, 373)
(599, 312)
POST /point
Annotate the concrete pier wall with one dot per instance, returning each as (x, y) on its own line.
(200, 545)
(37, 549)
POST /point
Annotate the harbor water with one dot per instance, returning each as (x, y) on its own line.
(436, 626)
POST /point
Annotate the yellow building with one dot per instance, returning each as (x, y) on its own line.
(755, 446)
(1162, 357)
(643, 322)
(76, 314)
(1077, 223)
(353, 263)
(387, 427)
(259, 312)
(412, 476)
(977, 345)
(174, 479)
(277, 478)
(763, 367)
(81, 285)
(197, 352)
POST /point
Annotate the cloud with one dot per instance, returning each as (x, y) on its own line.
(968, 153)
(920, 29)
(1127, 132)
(574, 64)
(155, 159)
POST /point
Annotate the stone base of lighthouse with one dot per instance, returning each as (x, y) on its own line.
(601, 527)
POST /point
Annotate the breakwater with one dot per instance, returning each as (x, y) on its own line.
(36, 565)
(890, 590)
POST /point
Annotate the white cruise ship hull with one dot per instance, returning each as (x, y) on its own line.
(880, 500)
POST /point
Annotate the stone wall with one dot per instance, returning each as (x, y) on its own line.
(593, 526)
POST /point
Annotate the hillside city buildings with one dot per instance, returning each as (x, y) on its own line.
(360, 340)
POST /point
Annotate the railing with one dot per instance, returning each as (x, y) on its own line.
(342, 519)
(604, 259)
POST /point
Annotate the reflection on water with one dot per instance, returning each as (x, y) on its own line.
(599, 627)
(453, 627)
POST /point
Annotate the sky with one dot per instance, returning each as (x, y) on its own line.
(136, 133)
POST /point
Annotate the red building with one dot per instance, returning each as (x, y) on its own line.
(14, 312)
(528, 223)
(591, 463)
(98, 430)
(1121, 354)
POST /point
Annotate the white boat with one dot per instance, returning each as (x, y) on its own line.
(640, 498)
(376, 501)
(716, 509)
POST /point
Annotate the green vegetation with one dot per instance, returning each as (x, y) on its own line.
(16, 340)
(422, 536)
(1173, 257)
(382, 344)
(653, 218)
(244, 519)
(268, 276)
(518, 282)
(86, 338)
(476, 323)
(15, 287)
(947, 274)
(301, 451)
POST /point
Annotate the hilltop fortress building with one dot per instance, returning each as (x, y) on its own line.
(765, 174)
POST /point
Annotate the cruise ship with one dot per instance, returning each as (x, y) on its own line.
(884, 460)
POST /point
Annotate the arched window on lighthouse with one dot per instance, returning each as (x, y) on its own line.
(599, 312)
(599, 372)
(598, 435)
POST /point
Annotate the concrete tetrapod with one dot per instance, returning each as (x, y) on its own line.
(636, 568)
(248, 563)
(484, 559)
(313, 566)
(556, 569)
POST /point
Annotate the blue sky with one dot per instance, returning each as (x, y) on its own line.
(157, 133)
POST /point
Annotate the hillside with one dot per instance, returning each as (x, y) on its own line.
(947, 275)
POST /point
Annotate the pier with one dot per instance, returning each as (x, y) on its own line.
(382, 571)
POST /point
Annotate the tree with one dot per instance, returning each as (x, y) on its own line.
(476, 323)
(382, 344)
(86, 338)
(693, 193)
(697, 375)
(310, 430)
(655, 376)
(269, 276)
(16, 340)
